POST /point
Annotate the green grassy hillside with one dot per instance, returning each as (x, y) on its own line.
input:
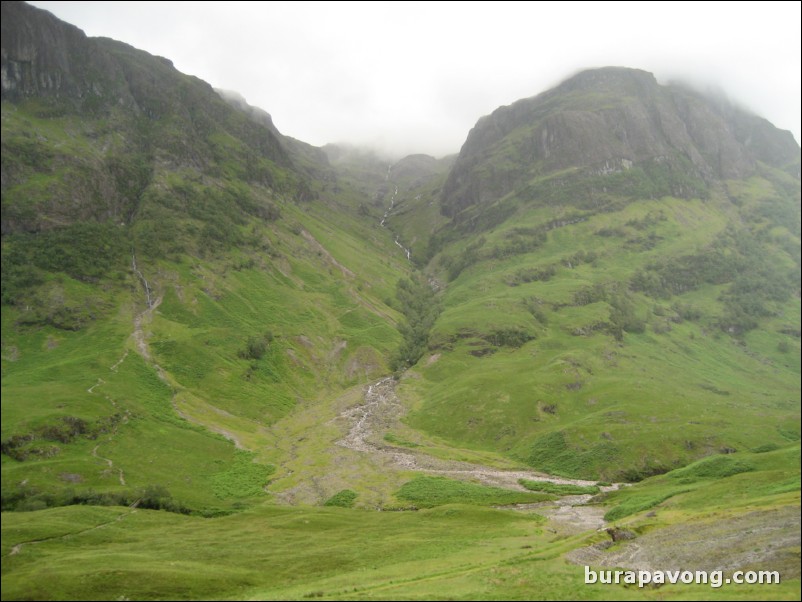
(235, 343)
(136, 351)
(235, 366)
(624, 342)
(177, 276)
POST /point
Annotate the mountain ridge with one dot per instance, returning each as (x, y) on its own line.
(277, 341)
(592, 130)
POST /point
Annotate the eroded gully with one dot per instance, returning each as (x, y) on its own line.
(381, 410)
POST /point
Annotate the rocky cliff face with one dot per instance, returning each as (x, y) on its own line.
(91, 125)
(605, 121)
(42, 56)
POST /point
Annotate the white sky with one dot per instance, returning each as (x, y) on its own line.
(415, 76)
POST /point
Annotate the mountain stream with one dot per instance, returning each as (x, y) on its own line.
(381, 409)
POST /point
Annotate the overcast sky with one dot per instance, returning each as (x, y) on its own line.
(415, 76)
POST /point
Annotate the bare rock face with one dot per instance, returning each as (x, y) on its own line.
(133, 119)
(43, 56)
(619, 534)
(604, 122)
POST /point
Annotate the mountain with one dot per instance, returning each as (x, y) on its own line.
(610, 242)
(402, 193)
(606, 121)
(224, 349)
(146, 219)
(139, 118)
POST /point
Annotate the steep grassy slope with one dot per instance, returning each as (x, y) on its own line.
(595, 323)
(558, 353)
(169, 263)
(239, 340)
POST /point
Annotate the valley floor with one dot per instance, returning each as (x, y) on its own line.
(454, 551)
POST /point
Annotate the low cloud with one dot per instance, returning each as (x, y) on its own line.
(415, 77)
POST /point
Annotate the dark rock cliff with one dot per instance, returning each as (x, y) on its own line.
(45, 57)
(605, 121)
(124, 116)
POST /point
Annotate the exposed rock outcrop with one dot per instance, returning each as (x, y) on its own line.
(606, 121)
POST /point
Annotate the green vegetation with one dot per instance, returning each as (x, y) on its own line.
(193, 305)
(639, 503)
(604, 353)
(428, 492)
(154, 497)
(758, 281)
(714, 467)
(395, 440)
(552, 453)
(256, 347)
(92, 396)
(104, 397)
(738, 480)
(311, 552)
(420, 308)
(557, 488)
(342, 499)
(452, 551)
(244, 478)
(85, 251)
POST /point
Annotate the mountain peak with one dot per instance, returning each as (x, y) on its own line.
(608, 77)
(608, 119)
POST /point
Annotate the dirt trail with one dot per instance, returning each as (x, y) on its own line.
(382, 410)
(142, 347)
(109, 463)
(324, 252)
(17, 548)
(91, 390)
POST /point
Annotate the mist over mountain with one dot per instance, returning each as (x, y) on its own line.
(608, 120)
